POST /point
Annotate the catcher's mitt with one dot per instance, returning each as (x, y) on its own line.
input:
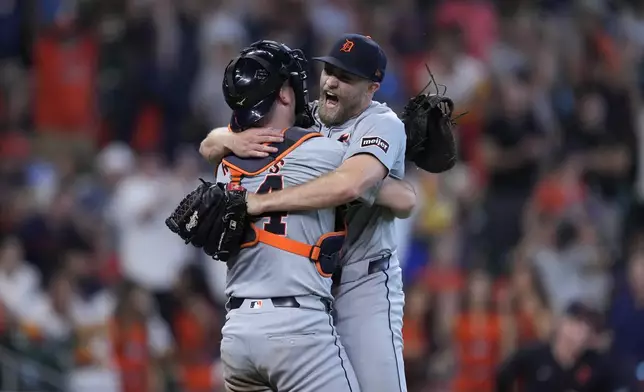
(429, 125)
(212, 217)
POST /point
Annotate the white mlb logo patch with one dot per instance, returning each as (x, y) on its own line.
(374, 141)
(255, 304)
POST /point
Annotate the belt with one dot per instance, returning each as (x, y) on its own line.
(278, 302)
(375, 266)
(378, 265)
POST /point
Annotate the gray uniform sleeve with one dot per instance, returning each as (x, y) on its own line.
(381, 135)
(369, 196)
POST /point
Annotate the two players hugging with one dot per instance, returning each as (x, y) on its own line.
(214, 216)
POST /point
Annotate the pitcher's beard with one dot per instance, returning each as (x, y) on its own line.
(333, 114)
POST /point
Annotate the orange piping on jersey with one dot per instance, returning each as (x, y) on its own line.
(235, 176)
(289, 245)
(278, 158)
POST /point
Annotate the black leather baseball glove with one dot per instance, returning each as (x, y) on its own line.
(429, 127)
(212, 217)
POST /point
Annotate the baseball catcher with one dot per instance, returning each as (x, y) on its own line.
(278, 286)
(212, 217)
(429, 124)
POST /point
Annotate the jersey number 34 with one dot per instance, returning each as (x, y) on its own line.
(276, 223)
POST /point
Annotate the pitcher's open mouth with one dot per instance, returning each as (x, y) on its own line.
(330, 99)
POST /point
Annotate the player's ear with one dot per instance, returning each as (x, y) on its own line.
(373, 87)
(286, 95)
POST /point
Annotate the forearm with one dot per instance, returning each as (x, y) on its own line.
(397, 195)
(215, 146)
(328, 191)
(347, 183)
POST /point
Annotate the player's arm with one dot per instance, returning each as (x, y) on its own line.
(369, 159)
(353, 178)
(398, 195)
(250, 143)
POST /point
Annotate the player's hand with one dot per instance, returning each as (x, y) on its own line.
(253, 205)
(252, 142)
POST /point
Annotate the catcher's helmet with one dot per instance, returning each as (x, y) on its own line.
(253, 80)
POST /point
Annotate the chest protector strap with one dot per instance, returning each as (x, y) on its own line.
(325, 253)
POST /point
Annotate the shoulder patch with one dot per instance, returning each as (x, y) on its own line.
(344, 138)
(374, 141)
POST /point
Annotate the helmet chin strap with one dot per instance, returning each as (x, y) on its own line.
(303, 116)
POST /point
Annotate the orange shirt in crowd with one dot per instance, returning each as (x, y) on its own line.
(526, 328)
(414, 336)
(478, 21)
(194, 349)
(441, 279)
(65, 74)
(553, 197)
(478, 351)
(130, 348)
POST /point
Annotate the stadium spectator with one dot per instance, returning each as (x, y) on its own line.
(566, 362)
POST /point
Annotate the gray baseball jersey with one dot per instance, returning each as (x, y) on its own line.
(263, 271)
(370, 290)
(267, 345)
(379, 132)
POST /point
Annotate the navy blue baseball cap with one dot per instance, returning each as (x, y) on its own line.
(359, 55)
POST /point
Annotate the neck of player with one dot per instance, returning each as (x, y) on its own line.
(281, 118)
(365, 104)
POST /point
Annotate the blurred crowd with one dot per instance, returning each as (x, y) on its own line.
(103, 104)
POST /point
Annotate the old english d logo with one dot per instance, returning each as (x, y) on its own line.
(347, 47)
